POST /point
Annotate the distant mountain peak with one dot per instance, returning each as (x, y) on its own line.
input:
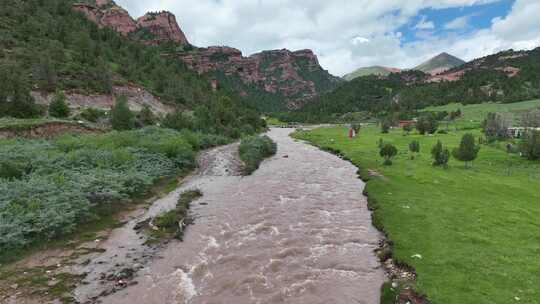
(371, 70)
(439, 64)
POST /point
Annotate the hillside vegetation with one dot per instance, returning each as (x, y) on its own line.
(46, 46)
(368, 71)
(487, 79)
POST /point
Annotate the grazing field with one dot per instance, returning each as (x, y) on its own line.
(474, 114)
(473, 235)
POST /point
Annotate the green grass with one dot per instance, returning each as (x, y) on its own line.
(474, 115)
(477, 230)
(25, 124)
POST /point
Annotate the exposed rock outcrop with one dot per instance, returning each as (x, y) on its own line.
(137, 98)
(297, 76)
(163, 27)
(107, 14)
(156, 28)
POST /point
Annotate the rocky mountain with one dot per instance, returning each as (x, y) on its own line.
(439, 64)
(294, 76)
(372, 70)
(152, 28)
(284, 78)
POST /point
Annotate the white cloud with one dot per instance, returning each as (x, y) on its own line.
(345, 34)
(360, 40)
(458, 23)
(424, 24)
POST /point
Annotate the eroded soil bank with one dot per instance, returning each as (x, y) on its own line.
(296, 231)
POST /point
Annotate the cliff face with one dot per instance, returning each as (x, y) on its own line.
(297, 76)
(163, 26)
(156, 28)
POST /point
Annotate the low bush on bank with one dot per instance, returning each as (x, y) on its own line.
(253, 150)
(48, 187)
(172, 223)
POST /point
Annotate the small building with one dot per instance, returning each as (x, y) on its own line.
(519, 132)
(403, 123)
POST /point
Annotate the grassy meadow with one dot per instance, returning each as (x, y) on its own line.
(474, 114)
(476, 230)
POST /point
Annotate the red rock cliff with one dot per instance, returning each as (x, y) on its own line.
(105, 13)
(163, 26)
(297, 76)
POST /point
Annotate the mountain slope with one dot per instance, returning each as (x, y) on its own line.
(508, 76)
(47, 46)
(294, 77)
(372, 70)
(439, 64)
(270, 80)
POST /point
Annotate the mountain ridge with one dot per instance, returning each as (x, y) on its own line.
(439, 64)
(282, 78)
(435, 65)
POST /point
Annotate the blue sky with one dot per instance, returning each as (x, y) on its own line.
(347, 34)
(453, 21)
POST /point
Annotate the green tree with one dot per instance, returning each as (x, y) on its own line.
(427, 124)
(177, 121)
(121, 116)
(146, 116)
(414, 147)
(530, 147)
(467, 150)
(388, 151)
(440, 155)
(58, 107)
(385, 126)
(407, 128)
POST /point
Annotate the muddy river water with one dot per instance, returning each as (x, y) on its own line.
(297, 231)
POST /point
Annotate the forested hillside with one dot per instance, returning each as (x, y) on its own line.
(506, 77)
(46, 46)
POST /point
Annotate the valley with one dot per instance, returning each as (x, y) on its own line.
(162, 159)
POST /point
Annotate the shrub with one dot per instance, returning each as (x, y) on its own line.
(174, 221)
(414, 147)
(440, 155)
(49, 187)
(427, 124)
(530, 147)
(407, 128)
(121, 116)
(467, 150)
(388, 151)
(58, 107)
(92, 114)
(385, 126)
(146, 116)
(253, 150)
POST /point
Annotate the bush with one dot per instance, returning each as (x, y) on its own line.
(388, 151)
(385, 126)
(530, 147)
(414, 147)
(440, 155)
(427, 124)
(253, 150)
(58, 107)
(92, 114)
(121, 116)
(48, 187)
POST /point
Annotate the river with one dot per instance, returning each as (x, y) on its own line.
(296, 231)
